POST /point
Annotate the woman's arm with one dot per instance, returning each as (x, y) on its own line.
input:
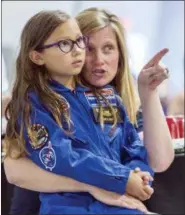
(157, 137)
(26, 174)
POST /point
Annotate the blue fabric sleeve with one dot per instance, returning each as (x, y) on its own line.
(60, 157)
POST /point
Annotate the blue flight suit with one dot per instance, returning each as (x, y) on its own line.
(27, 201)
(90, 155)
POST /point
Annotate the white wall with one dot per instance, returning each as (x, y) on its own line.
(171, 35)
(142, 15)
(16, 13)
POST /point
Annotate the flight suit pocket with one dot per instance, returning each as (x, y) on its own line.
(133, 144)
(81, 141)
(113, 139)
(111, 134)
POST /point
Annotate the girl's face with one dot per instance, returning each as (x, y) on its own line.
(63, 66)
(102, 57)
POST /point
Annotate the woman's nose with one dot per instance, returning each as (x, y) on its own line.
(98, 59)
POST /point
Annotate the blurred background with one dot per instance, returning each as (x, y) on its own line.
(150, 27)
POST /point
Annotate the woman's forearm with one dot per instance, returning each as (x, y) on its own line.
(24, 173)
(157, 137)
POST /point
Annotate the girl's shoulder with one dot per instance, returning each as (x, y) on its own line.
(34, 99)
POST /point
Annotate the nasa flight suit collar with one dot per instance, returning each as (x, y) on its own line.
(56, 86)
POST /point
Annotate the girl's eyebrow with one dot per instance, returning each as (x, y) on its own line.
(68, 37)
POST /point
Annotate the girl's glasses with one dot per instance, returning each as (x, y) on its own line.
(67, 45)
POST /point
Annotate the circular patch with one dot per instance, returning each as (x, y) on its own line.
(41, 134)
(48, 157)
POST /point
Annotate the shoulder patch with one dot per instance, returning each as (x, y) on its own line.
(48, 157)
(41, 135)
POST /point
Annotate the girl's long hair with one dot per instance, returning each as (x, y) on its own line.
(30, 76)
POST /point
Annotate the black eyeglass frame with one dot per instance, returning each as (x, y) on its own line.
(85, 38)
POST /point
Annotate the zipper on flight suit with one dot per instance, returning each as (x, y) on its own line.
(81, 103)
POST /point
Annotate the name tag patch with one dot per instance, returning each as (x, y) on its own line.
(107, 93)
(107, 114)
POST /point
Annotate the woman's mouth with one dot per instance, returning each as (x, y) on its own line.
(98, 72)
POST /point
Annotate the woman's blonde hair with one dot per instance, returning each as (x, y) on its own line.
(30, 76)
(94, 19)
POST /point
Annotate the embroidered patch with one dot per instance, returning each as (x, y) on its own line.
(107, 93)
(40, 134)
(48, 157)
(107, 114)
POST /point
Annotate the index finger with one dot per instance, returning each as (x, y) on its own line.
(156, 58)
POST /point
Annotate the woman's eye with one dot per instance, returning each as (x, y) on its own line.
(108, 48)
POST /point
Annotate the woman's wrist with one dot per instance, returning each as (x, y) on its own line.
(89, 188)
(145, 94)
(82, 187)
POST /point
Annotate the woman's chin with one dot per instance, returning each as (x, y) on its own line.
(99, 83)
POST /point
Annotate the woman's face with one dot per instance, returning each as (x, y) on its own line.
(102, 56)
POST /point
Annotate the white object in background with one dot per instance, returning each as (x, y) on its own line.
(4, 77)
(4, 123)
(178, 143)
(137, 45)
(5, 92)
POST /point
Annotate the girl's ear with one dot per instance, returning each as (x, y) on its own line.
(36, 57)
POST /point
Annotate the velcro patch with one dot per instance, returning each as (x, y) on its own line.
(40, 134)
(48, 157)
(107, 114)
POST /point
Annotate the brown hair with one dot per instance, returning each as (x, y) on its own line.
(94, 19)
(32, 76)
